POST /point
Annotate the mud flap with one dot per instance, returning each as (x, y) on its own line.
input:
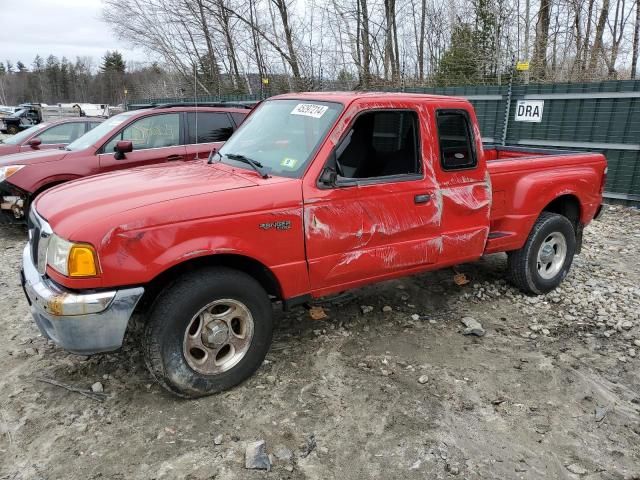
(579, 230)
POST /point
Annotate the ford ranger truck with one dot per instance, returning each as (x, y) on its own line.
(316, 193)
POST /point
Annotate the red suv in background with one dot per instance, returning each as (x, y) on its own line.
(167, 133)
(54, 134)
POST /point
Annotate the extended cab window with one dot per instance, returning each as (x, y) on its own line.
(380, 144)
(64, 133)
(206, 127)
(154, 131)
(456, 140)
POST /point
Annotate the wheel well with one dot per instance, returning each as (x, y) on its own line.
(44, 188)
(252, 267)
(567, 206)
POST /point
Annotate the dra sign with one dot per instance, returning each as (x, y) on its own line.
(529, 111)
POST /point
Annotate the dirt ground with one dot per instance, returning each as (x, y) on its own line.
(551, 391)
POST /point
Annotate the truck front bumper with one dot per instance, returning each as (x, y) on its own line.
(82, 323)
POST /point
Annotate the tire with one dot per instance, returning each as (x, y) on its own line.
(174, 345)
(534, 277)
(12, 129)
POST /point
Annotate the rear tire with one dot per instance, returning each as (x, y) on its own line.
(208, 332)
(545, 260)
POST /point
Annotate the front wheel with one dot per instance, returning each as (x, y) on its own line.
(208, 332)
(12, 129)
(544, 261)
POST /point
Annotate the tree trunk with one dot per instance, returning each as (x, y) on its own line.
(636, 34)
(423, 18)
(213, 62)
(391, 41)
(231, 50)
(587, 37)
(597, 42)
(288, 36)
(542, 38)
(366, 45)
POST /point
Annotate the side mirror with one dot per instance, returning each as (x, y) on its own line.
(122, 147)
(328, 177)
(34, 142)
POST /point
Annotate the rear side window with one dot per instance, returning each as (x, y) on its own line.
(208, 127)
(457, 150)
(153, 131)
(64, 133)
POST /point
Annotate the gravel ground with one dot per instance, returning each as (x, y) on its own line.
(386, 387)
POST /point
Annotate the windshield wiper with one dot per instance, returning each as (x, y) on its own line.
(257, 166)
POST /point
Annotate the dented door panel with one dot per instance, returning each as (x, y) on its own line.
(372, 230)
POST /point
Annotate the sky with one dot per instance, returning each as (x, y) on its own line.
(68, 28)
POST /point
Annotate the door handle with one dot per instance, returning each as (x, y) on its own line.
(422, 198)
(173, 158)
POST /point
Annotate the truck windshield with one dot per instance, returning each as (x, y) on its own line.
(93, 136)
(281, 135)
(18, 138)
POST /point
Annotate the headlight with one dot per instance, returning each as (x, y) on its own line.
(6, 172)
(72, 259)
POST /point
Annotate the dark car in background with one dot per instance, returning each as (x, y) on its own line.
(54, 134)
(166, 133)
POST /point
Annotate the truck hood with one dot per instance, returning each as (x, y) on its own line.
(81, 202)
(30, 158)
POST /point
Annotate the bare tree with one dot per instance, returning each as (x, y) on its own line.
(542, 38)
(636, 35)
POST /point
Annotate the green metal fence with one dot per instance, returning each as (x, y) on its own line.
(602, 117)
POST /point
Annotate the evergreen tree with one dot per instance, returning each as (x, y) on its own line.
(459, 64)
(38, 64)
(21, 67)
(112, 62)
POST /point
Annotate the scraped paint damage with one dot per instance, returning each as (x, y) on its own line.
(470, 197)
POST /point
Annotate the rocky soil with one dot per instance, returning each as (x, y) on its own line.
(387, 386)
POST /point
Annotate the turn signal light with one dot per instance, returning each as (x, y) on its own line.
(82, 261)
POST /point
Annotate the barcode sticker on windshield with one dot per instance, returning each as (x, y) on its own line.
(309, 110)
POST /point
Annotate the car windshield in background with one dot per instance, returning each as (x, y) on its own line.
(281, 135)
(94, 135)
(20, 137)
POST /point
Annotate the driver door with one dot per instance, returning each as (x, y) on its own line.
(382, 215)
(155, 138)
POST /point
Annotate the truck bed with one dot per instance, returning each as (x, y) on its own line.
(514, 170)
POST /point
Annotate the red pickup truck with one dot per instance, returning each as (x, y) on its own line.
(315, 194)
(139, 137)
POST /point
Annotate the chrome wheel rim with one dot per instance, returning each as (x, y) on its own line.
(551, 255)
(218, 336)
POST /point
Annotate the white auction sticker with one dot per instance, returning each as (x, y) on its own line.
(309, 110)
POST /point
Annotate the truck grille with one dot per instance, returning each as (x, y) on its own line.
(39, 236)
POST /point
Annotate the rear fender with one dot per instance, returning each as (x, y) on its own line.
(533, 192)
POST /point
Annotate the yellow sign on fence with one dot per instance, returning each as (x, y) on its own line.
(522, 66)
